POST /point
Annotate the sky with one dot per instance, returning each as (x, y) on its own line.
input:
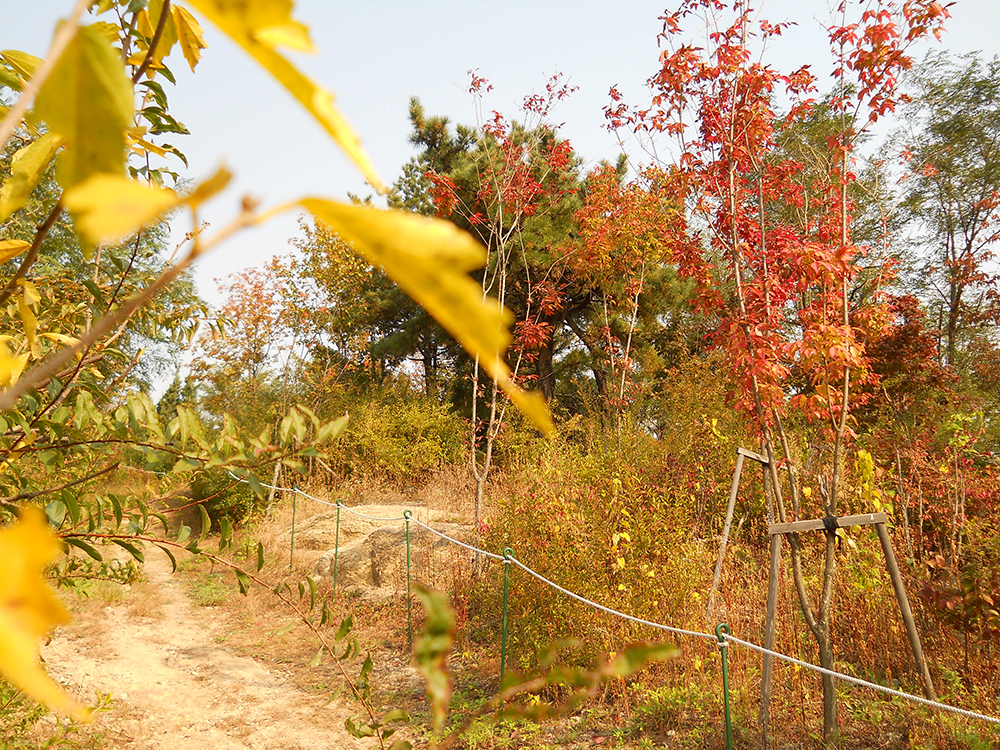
(374, 55)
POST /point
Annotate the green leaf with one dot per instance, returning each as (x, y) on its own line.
(243, 580)
(332, 430)
(312, 592)
(133, 549)
(359, 729)
(346, 625)
(26, 170)
(184, 534)
(163, 521)
(87, 101)
(260, 556)
(366, 668)
(80, 544)
(72, 505)
(225, 533)
(286, 628)
(396, 714)
(56, 512)
(206, 522)
(401, 745)
(314, 662)
(170, 554)
(116, 507)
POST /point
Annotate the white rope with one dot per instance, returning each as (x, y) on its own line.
(268, 486)
(349, 510)
(864, 683)
(455, 541)
(659, 626)
(595, 605)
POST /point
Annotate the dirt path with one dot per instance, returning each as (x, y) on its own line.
(176, 687)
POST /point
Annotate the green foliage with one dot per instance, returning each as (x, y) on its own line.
(20, 728)
(661, 709)
(401, 437)
(223, 496)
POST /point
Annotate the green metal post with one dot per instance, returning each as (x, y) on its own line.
(723, 628)
(507, 554)
(291, 545)
(336, 548)
(409, 598)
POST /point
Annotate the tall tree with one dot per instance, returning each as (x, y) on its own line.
(952, 191)
(781, 290)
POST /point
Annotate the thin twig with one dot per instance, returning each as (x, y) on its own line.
(67, 485)
(32, 255)
(10, 396)
(164, 13)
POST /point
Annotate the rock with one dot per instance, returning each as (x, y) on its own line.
(320, 531)
(374, 564)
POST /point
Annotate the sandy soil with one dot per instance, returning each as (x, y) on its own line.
(175, 686)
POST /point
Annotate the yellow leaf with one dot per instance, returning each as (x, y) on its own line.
(12, 248)
(11, 366)
(257, 26)
(31, 295)
(189, 34)
(168, 37)
(108, 30)
(29, 609)
(62, 338)
(109, 207)
(26, 170)
(206, 189)
(142, 146)
(22, 63)
(30, 323)
(87, 100)
(430, 260)
(143, 25)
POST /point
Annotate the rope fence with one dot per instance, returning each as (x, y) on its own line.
(721, 638)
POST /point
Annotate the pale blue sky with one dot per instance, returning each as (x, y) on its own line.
(376, 54)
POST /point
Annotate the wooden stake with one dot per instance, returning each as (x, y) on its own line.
(904, 608)
(725, 537)
(773, 579)
(741, 453)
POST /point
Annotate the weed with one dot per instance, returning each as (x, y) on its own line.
(210, 589)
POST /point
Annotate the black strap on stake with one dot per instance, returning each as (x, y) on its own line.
(831, 525)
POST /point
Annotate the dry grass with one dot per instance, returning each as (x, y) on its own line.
(674, 705)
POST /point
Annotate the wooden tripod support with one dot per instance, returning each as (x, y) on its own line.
(741, 453)
(777, 531)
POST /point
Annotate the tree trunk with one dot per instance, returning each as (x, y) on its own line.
(543, 367)
(829, 690)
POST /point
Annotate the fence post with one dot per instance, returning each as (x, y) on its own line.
(507, 554)
(336, 548)
(291, 545)
(409, 598)
(719, 630)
